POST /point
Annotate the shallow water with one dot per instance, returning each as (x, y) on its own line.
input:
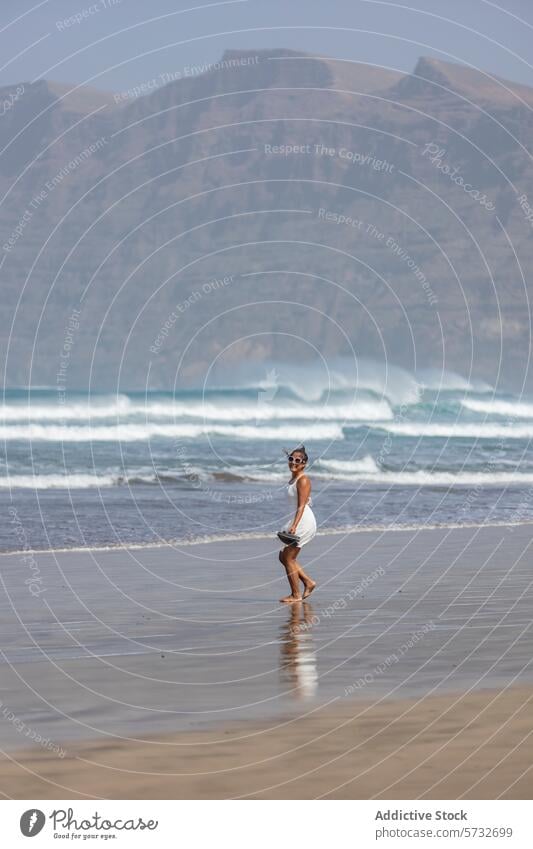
(134, 643)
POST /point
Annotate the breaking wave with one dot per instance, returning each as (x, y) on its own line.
(455, 430)
(142, 432)
(511, 409)
(362, 409)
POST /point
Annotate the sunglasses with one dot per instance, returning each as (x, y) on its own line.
(296, 460)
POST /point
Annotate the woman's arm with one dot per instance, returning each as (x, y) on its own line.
(303, 488)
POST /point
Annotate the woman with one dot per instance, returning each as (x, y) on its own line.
(303, 524)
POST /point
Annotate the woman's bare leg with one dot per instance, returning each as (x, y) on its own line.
(289, 561)
(308, 582)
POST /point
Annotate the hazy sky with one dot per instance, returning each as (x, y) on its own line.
(120, 43)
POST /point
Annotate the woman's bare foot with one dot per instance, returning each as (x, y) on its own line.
(309, 588)
(290, 599)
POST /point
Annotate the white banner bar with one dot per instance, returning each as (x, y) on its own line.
(268, 824)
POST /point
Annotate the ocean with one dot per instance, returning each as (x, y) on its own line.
(101, 469)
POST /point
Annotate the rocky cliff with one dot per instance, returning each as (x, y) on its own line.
(272, 206)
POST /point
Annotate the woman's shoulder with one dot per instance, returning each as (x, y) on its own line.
(303, 478)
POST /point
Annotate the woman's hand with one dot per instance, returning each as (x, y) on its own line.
(292, 529)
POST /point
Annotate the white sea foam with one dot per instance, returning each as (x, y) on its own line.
(453, 430)
(367, 470)
(80, 480)
(74, 411)
(366, 465)
(74, 481)
(360, 409)
(248, 535)
(367, 409)
(495, 407)
(139, 432)
(360, 471)
(421, 477)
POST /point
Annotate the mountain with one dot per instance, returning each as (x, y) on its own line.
(272, 206)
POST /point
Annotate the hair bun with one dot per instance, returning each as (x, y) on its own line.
(302, 450)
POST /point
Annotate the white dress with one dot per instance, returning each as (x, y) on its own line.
(306, 527)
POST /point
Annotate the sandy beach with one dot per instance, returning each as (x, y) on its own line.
(475, 746)
(175, 673)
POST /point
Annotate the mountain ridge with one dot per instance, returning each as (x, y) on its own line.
(182, 188)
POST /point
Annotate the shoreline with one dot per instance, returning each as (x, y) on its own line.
(350, 529)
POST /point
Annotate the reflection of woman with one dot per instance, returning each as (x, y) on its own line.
(303, 524)
(298, 661)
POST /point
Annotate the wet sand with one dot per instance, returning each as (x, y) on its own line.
(414, 650)
(475, 746)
